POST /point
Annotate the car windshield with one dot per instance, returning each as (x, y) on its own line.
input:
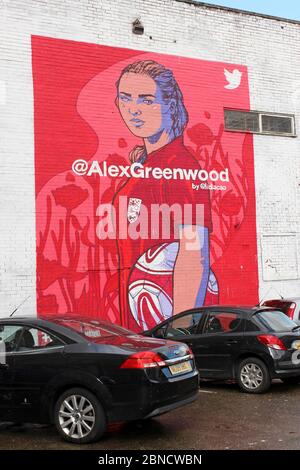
(92, 329)
(275, 320)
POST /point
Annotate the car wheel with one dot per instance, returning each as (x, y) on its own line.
(253, 376)
(79, 416)
(291, 380)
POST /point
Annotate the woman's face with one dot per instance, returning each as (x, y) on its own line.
(141, 105)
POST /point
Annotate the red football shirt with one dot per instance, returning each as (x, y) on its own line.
(133, 203)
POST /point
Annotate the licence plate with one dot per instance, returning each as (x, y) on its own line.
(296, 345)
(181, 368)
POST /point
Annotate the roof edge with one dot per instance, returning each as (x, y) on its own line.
(237, 10)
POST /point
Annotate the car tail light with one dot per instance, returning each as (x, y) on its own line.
(272, 342)
(143, 360)
(190, 352)
(291, 309)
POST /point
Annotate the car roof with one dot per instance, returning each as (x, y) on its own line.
(56, 321)
(246, 311)
(44, 323)
(22, 319)
(50, 318)
(242, 308)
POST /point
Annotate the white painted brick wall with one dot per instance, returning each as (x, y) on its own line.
(269, 47)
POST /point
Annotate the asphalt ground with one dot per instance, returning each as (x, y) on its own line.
(222, 418)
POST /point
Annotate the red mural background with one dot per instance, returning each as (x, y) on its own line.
(75, 117)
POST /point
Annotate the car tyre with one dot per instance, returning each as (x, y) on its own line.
(79, 416)
(291, 380)
(253, 376)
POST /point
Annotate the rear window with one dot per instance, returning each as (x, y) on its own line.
(274, 320)
(93, 329)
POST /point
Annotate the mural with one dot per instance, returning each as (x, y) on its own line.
(145, 206)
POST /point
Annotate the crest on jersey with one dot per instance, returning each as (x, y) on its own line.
(134, 208)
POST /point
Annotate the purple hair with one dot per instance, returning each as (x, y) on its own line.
(165, 80)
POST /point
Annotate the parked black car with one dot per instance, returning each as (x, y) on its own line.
(82, 375)
(249, 345)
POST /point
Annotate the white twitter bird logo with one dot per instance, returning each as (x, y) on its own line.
(233, 79)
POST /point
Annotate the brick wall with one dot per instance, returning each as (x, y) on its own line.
(270, 48)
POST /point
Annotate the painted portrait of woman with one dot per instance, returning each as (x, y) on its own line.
(160, 277)
(149, 111)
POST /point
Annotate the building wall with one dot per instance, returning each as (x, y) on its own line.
(268, 47)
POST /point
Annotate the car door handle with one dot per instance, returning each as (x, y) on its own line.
(232, 341)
